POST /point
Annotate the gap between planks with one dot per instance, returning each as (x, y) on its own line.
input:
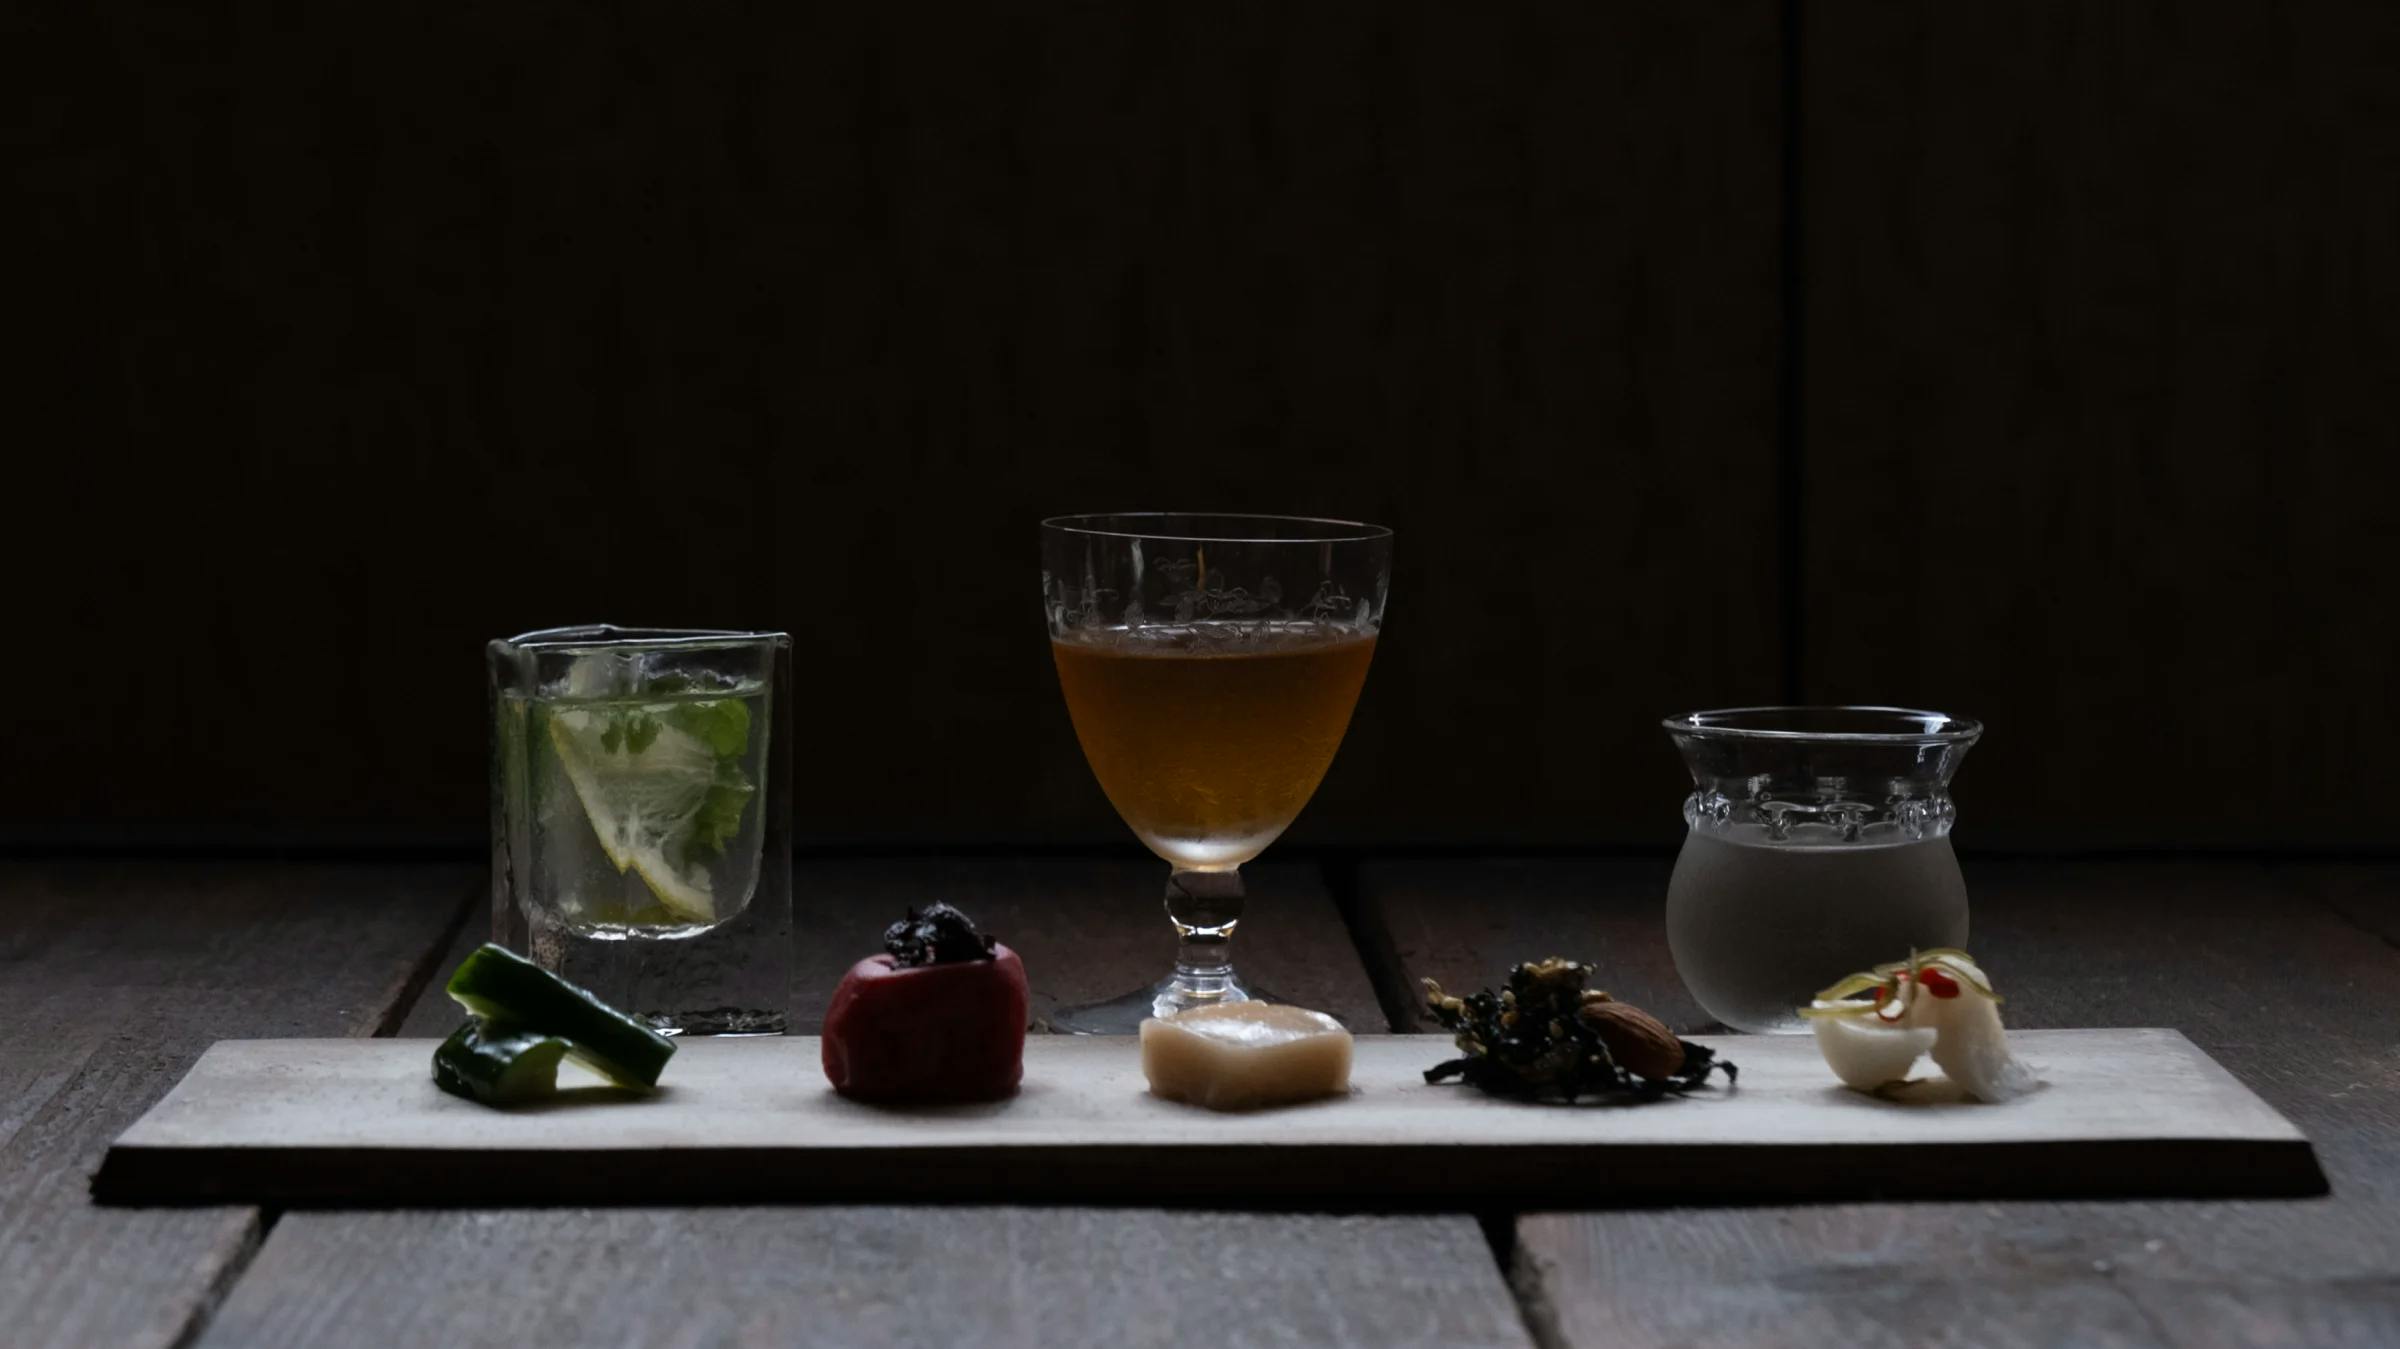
(1371, 942)
(265, 1218)
(432, 965)
(220, 1287)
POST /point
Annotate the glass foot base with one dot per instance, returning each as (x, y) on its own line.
(1124, 1015)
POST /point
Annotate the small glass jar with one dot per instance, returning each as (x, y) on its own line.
(1819, 844)
(641, 819)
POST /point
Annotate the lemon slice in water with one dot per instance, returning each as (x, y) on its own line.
(643, 802)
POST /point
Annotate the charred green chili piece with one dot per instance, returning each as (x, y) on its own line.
(507, 990)
(497, 1065)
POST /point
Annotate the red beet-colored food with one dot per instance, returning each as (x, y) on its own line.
(953, 1031)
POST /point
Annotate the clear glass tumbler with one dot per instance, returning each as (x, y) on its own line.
(1819, 844)
(641, 819)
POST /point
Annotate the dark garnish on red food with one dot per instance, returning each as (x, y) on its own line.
(1547, 1036)
(936, 935)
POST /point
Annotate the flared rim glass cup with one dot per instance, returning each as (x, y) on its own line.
(1818, 844)
(1210, 663)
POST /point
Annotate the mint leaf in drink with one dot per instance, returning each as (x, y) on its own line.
(723, 724)
(720, 814)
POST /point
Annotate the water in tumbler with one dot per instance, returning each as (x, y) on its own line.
(643, 798)
(1757, 927)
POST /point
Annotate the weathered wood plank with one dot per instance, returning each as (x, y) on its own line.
(432, 1013)
(2099, 355)
(1464, 922)
(2366, 894)
(113, 978)
(2245, 958)
(2307, 1273)
(2317, 1272)
(1088, 928)
(1816, 1276)
(866, 1276)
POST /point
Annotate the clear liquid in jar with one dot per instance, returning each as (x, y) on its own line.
(1758, 926)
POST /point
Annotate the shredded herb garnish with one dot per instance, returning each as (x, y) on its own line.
(1545, 1036)
(935, 935)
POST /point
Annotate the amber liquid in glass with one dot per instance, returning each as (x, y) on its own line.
(1210, 737)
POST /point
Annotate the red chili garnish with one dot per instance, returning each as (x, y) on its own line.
(1939, 984)
(1882, 995)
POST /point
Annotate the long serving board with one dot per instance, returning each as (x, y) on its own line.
(359, 1122)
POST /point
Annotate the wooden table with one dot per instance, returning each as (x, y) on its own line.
(114, 975)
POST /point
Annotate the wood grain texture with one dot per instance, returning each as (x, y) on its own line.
(432, 1013)
(113, 978)
(867, 1276)
(1088, 928)
(1465, 922)
(2249, 960)
(2367, 895)
(364, 336)
(2130, 1274)
(2100, 347)
(346, 1124)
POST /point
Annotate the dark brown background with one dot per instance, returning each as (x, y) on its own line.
(2036, 362)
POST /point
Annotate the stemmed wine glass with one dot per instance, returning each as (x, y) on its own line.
(1210, 664)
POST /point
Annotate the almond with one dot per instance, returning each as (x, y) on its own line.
(1639, 1042)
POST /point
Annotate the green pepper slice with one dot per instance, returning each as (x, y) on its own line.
(507, 990)
(498, 1065)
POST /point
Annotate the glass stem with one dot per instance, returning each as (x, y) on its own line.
(1205, 906)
